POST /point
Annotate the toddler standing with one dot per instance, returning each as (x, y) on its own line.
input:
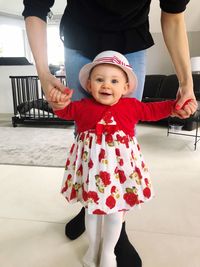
(105, 169)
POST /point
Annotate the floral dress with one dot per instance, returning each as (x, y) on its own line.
(105, 170)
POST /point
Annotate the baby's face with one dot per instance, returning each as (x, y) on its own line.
(107, 84)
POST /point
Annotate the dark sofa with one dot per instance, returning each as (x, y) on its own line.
(161, 87)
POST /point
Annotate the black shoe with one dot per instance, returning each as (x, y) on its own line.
(126, 255)
(76, 226)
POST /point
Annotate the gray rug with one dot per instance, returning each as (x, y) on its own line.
(35, 146)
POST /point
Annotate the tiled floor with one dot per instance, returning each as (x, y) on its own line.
(165, 231)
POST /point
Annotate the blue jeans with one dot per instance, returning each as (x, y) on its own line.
(74, 61)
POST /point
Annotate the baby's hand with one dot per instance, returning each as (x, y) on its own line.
(174, 111)
(57, 96)
(59, 102)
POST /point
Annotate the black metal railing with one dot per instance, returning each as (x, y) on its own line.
(29, 103)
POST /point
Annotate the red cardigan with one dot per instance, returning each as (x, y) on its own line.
(127, 112)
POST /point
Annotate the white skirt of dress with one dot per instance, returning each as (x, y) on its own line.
(107, 175)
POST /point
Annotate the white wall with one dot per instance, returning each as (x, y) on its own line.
(8, 20)
(158, 59)
(192, 16)
(6, 100)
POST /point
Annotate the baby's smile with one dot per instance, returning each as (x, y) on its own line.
(105, 93)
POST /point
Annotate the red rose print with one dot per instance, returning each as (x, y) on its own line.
(122, 176)
(147, 192)
(102, 154)
(99, 212)
(131, 164)
(110, 202)
(90, 164)
(90, 143)
(67, 164)
(93, 196)
(119, 138)
(105, 177)
(138, 146)
(72, 149)
(73, 193)
(138, 172)
(146, 181)
(121, 162)
(143, 165)
(123, 140)
(117, 151)
(113, 189)
(79, 172)
(132, 154)
(84, 194)
(64, 189)
(109, 138)
(82, 136)
(69, 177)
(118, 155)
(131, 198)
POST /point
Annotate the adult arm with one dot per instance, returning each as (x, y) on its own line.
(35, 13)
(37, 35)
(175, 36)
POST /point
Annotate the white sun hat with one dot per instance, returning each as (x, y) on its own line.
(113, 58)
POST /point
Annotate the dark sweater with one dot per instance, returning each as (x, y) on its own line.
(93, 26)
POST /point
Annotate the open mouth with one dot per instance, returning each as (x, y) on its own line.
(106, 94)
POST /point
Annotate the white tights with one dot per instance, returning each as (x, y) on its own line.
(110, 235)
(93, 224)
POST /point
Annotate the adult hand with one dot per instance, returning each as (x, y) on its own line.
(49, 82)
(56, 103)
(186, 103)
